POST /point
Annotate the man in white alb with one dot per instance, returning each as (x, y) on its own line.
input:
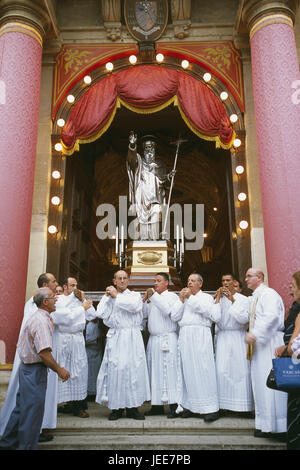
(233, 369)
(69, 318)
(265, 334)
(162, 356)
(123, 380)
(198, 384)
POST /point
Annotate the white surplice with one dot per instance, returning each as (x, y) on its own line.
(197, 389)
(162, 353)
(123, 380)
(50, 413)
(270, 405)
(69, 321)
(232, 367)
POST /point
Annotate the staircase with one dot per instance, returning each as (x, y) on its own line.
(155, 433)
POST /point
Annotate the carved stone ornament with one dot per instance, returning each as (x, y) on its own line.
(146, 20)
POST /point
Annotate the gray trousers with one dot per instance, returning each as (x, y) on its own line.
(24, 425)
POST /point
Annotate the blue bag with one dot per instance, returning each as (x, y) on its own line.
(287, 373)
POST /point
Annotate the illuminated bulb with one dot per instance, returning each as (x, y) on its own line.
(70, 99)
(58, 147)
(160, 57)
(242, 197)
(233, 118)
(109, 66)
(87, 80)
(185, 64)
(205, 235)
(237, 142)
(239, 170)
(52, 229)
(55, 200)
(207, 77)
(224, 95)
(243, 224)
(56, 174)
(215, 209)
(61, 122)
(133, 59)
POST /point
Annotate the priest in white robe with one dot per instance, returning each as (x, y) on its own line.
(69, 321)
(265, 334)
(123, 380)
(232, 367)
(50, 412)
(162, 355)
(198, 384)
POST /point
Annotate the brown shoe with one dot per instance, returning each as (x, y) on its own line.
(82, 414)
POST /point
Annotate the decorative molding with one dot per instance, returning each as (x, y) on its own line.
(26, 12)
(254, 10)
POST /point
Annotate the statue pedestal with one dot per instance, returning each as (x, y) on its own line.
(145, 258)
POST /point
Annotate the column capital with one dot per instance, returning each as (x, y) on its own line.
(26, 16)
(279, 11)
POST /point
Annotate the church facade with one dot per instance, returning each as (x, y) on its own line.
(76, 77)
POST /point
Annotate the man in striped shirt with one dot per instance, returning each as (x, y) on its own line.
(34, 348)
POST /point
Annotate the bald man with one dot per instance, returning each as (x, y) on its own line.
(50, 415)
(266, 324)
(123, 380)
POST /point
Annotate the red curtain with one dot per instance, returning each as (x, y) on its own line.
(144, 89)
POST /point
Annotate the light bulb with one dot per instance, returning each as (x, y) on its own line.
(224, 95)
(160, 57)
(242, 197)
(58, 147)
(233, 118)
(243, 224)
(237, 143)
(52, 229)
(109, 66)
(184, 64)
(55, 200)
(239, 170)
(207, 77)
(61, 122)
(70, 99)
(87, 80)
(133, 59)
(56, 174)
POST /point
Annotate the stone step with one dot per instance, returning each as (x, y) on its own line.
(154, 433)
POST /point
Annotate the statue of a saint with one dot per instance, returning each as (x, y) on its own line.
(148, 181)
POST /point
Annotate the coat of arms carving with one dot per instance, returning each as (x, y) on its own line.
(146, 20)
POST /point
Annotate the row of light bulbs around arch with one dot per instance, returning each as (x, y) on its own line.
(55, 201)
(133, 60)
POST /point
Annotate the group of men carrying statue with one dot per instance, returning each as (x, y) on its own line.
(148, 184)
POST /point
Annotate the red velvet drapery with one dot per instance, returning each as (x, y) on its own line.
(147, 89)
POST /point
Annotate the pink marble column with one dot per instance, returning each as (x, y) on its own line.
(20, 75)
(275, 68)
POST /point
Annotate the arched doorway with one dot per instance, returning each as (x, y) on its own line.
(97, 174)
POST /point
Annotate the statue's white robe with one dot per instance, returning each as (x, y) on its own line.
(270, 405)
(162, 352)
(198, 384)
(123, 380)
(232, 366)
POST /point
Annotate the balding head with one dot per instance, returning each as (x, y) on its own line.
(254, 278)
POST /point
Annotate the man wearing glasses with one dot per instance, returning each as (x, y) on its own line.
(34, 349)
(266, 324)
